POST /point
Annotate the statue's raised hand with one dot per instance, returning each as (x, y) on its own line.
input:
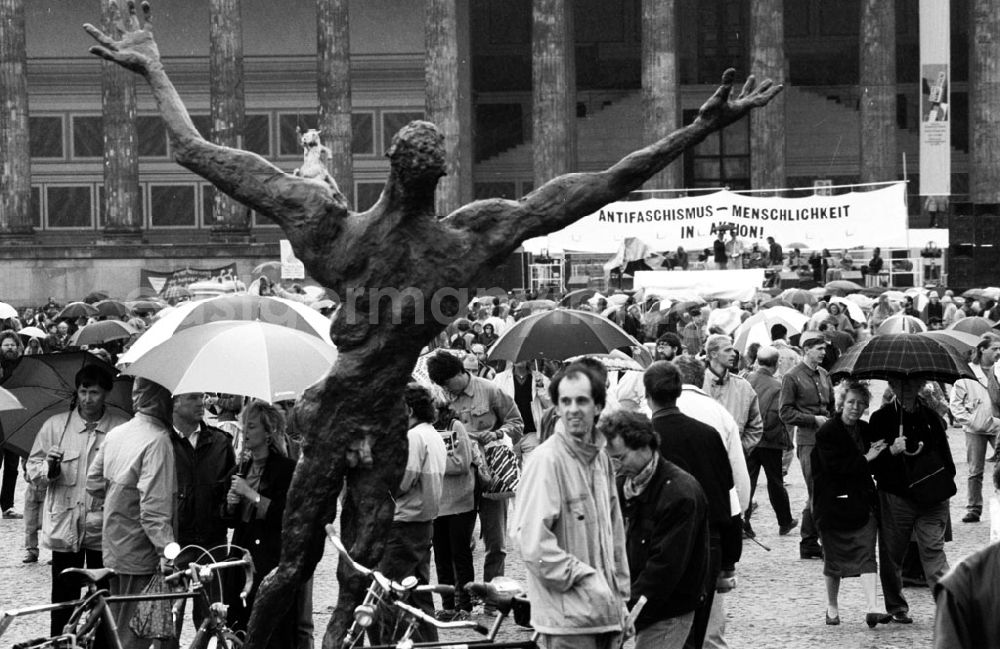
(135, 49)
(722, 109)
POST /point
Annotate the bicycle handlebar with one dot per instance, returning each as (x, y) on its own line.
(459, 624)
(197, 573)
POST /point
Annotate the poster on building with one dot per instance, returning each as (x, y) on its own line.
(874, 218)
(935, 98)
(291, 266)
(164, 282)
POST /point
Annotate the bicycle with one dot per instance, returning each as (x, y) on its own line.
(389, 598)
(92, 613)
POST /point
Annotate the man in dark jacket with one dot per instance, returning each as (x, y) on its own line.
(698, 449)
(205, 464)
(666, 527)
(773, 442)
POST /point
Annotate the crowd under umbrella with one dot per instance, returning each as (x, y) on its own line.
(559, 334)
(615, 361)
(45, 385)
(843, 287)
(900, 324)
(75, 310)
(975, 325)
(902, 356)
(798, 297)
(7, 311)
(32, 332)
(98, 333)
(988, 293)
(146, 306)
(254, 359)
(273, 310)
(573, 299)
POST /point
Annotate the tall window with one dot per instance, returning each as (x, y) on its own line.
(172, 206)
(46, 137)
(70, 206)
(722, 159)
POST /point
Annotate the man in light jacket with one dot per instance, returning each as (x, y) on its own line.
(570, 526)
(529, 389)
(57, 466)
(974, 404)
(134, 475)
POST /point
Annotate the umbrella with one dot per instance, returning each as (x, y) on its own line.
(75, 310)
(45, 384)
(894, 296)
(900, 324)
(575, 298)
(819, 291)
(683, 306)
(101, 332)
(274, 310)
(7, 311)
(975, 325)
(615, 361)
(843, 286)
(854, 311)
(254, 359)
(9, 401)
(112, 309)
(798, 296)
(177, 293)
(33, 332)
(727, 319)
(534, 306)
(861, 300)
(902, 356)
(559, 334)
(777, 301)
(269, 269)
(421, 376)
(95, 296)
(959, 341)
(146, 306)
(757, 328)
(988, 293)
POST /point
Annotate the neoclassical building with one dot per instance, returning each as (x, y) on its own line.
(524, 90)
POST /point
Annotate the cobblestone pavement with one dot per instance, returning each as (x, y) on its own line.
(779, 601)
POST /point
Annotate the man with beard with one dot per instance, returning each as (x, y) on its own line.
(11, 350)
(630, 391)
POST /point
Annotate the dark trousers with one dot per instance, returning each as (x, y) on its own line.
(493, 527)
(407, 554)
(808, 531)
(67, 588)
(770, 460)
(10, 468)
(901, 518)
(696, 637)
(453, 556)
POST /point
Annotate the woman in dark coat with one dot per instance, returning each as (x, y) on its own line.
(844, 501)
(256, 503)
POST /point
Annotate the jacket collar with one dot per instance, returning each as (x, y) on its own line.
(582, 450)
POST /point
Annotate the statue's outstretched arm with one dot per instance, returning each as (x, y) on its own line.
(567, 198)
(249, 178)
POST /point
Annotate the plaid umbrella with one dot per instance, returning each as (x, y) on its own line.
(902, 356)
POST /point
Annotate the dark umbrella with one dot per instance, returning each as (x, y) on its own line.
(95, 296)
(111, 309)
(146, 306)
(684, 306)
(975, 325)
(902, 356)
(101, 332)
(75, 310)
(777, 301)
(558, 335)
(575, 298)
(45, 384)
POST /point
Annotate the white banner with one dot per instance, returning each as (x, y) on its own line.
(291, 267)
(874, 218)
(935, 99)
(739, 285)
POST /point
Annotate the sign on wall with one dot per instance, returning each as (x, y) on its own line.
(159, 282)
(935, 98)
(874, 218)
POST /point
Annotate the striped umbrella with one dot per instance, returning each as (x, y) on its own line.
(902, 356)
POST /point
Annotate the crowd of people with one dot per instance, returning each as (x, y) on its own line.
(634, 485)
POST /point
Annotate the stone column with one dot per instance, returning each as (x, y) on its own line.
(448, 72)
(123, 215)
(554, 89)
(984, 102)
(878, 91)
(230, 219)
(661, 107)
(333, 85)
(15, 157)
(767, 128)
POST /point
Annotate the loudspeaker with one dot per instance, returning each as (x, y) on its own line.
(788, 279)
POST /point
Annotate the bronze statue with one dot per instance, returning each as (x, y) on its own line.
(398, 243)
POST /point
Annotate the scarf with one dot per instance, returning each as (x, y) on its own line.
(635, 485)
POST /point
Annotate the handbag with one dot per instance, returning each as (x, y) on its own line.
(154, 619)
(982, 418)
(483, 474)
(928, 479)
(503, 469)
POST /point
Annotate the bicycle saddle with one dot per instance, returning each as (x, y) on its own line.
(91, 576)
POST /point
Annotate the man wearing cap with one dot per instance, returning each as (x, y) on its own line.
(806, 403)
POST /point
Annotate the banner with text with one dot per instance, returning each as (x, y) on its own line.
(160, 282)
(874, 218)
(935, 98)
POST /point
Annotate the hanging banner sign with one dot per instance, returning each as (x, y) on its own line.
(935, 98)
(874, 218)
(159, 282)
